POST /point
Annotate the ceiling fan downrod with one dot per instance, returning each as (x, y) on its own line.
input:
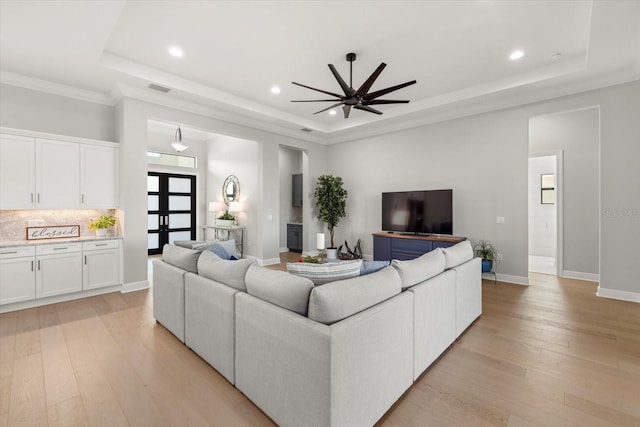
(351, 57)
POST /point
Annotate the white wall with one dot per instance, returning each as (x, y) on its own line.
(484, 159)
(290, 163)
(577, 134)
(542, 217)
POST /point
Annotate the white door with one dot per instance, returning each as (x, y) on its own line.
(100, 269)
(97, 176)
(17, 280)
(58, 274)
(57, 174)
(17, 172)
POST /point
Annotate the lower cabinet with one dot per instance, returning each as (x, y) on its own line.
(294, 237)
(100, 265)
(59, 269)
(17, 275)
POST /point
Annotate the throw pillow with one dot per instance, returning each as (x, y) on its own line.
(229, 246)
(186, 259)
(230, 273)
(217, 249)
(320, 274)
(418, 270)
(458, 254)
(279, 288)
(369, 267)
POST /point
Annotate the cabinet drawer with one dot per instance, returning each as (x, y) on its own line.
(98, 245)
(17, 252)
(56, 249)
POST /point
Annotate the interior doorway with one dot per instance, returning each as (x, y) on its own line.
(545, 212)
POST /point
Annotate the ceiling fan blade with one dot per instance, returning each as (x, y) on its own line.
(317, 100)
(329, 108)
(365, 108)
(384, 101)
(373, 95)
(318, 90)
(372, 78)
(345, 87)
(347, 110)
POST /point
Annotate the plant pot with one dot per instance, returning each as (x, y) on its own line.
(224, 222)
(332, 253)
(101, 232)
(486, 266)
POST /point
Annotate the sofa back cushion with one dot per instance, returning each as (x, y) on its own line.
(230, 273)
(279, 288)
(320, 274)
(186, 259)
(457, 254)
(418, 270)
(338, 300)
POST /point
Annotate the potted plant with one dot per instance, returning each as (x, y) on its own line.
(101, 224)
(331, 202)
(489, 254)
(225, 220)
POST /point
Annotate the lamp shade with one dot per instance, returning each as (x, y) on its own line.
(320, 241)
(235, 207)
(216, 206)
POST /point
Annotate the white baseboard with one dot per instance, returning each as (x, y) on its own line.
(58, 298)
(591, 277)
(616, 294)
(282, 250)
(135, 286)
(516, 280)
(271, 261)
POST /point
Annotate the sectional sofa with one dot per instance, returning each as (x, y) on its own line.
(339, 354)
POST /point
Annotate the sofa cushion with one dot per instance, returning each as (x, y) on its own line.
(186, 259)
(320, 274)
(457, 254)
(230, 273)
(279, 288)
(338, 300)
(420, 269)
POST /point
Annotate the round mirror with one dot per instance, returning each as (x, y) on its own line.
(231, 190)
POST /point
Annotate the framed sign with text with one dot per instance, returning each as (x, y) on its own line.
(53, 232)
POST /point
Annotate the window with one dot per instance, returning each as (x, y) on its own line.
(165, 159)
(547, 189)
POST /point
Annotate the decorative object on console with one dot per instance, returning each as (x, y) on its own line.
(102, 224)
(331, 202)
(225, 220)
(489, 254)
(235, 208)
(177, 143)
(360, 99)
(356, 253)
(320, 242)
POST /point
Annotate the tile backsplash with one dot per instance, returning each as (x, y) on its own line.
(13, 224)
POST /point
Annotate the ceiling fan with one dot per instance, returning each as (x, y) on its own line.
(360, 99)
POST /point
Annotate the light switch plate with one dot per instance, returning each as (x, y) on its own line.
(499, 220)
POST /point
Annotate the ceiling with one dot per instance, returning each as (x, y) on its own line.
(235, 51)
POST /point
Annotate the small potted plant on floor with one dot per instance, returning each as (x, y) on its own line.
(101, 224)
(331, 202)
(489, 254)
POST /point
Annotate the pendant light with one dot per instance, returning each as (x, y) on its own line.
(177, 144)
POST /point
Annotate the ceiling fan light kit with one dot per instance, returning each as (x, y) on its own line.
(360, 99)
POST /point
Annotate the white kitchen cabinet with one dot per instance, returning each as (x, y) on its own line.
(58, 269)
(17, 275)
(57, 174)
(98, 176)
(101, 264)
(17, 172)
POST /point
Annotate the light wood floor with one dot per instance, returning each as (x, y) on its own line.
(549, 354)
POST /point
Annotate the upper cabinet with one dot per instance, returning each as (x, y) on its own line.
(37, 173)
(296, 190)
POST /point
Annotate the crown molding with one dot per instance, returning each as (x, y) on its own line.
(26, 82)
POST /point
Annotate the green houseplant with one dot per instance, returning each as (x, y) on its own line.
(489, 254)
(225, 220)
(100, 224)
(331, 202)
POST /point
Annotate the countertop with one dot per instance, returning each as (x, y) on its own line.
(9, 244)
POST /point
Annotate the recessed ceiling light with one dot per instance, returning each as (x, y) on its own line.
(176, 51)
(275, 90)
(332, 112)
(516, 54)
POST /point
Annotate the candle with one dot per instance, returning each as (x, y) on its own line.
(320, 241)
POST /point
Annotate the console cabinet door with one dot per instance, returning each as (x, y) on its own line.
(17, 172)
(58, 270)
(57, 174)
(17, 280)
(101, 264)
(98, 166)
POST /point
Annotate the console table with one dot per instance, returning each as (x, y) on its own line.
(388, 246)
(224, 233)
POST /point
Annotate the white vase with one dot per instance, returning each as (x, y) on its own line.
(224, 222)
(332, 253)
(101, 232)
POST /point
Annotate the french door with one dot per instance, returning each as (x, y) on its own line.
(171, 200)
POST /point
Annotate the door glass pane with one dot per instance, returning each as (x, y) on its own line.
(152, 222)
(152, 241)
(179, 203)
(153, 183)
(179, 185)
(179, 235)
(152, 203)
(180, 221)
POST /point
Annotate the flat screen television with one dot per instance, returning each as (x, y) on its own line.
(419, 212)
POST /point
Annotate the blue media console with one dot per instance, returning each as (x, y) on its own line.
(388, 246)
